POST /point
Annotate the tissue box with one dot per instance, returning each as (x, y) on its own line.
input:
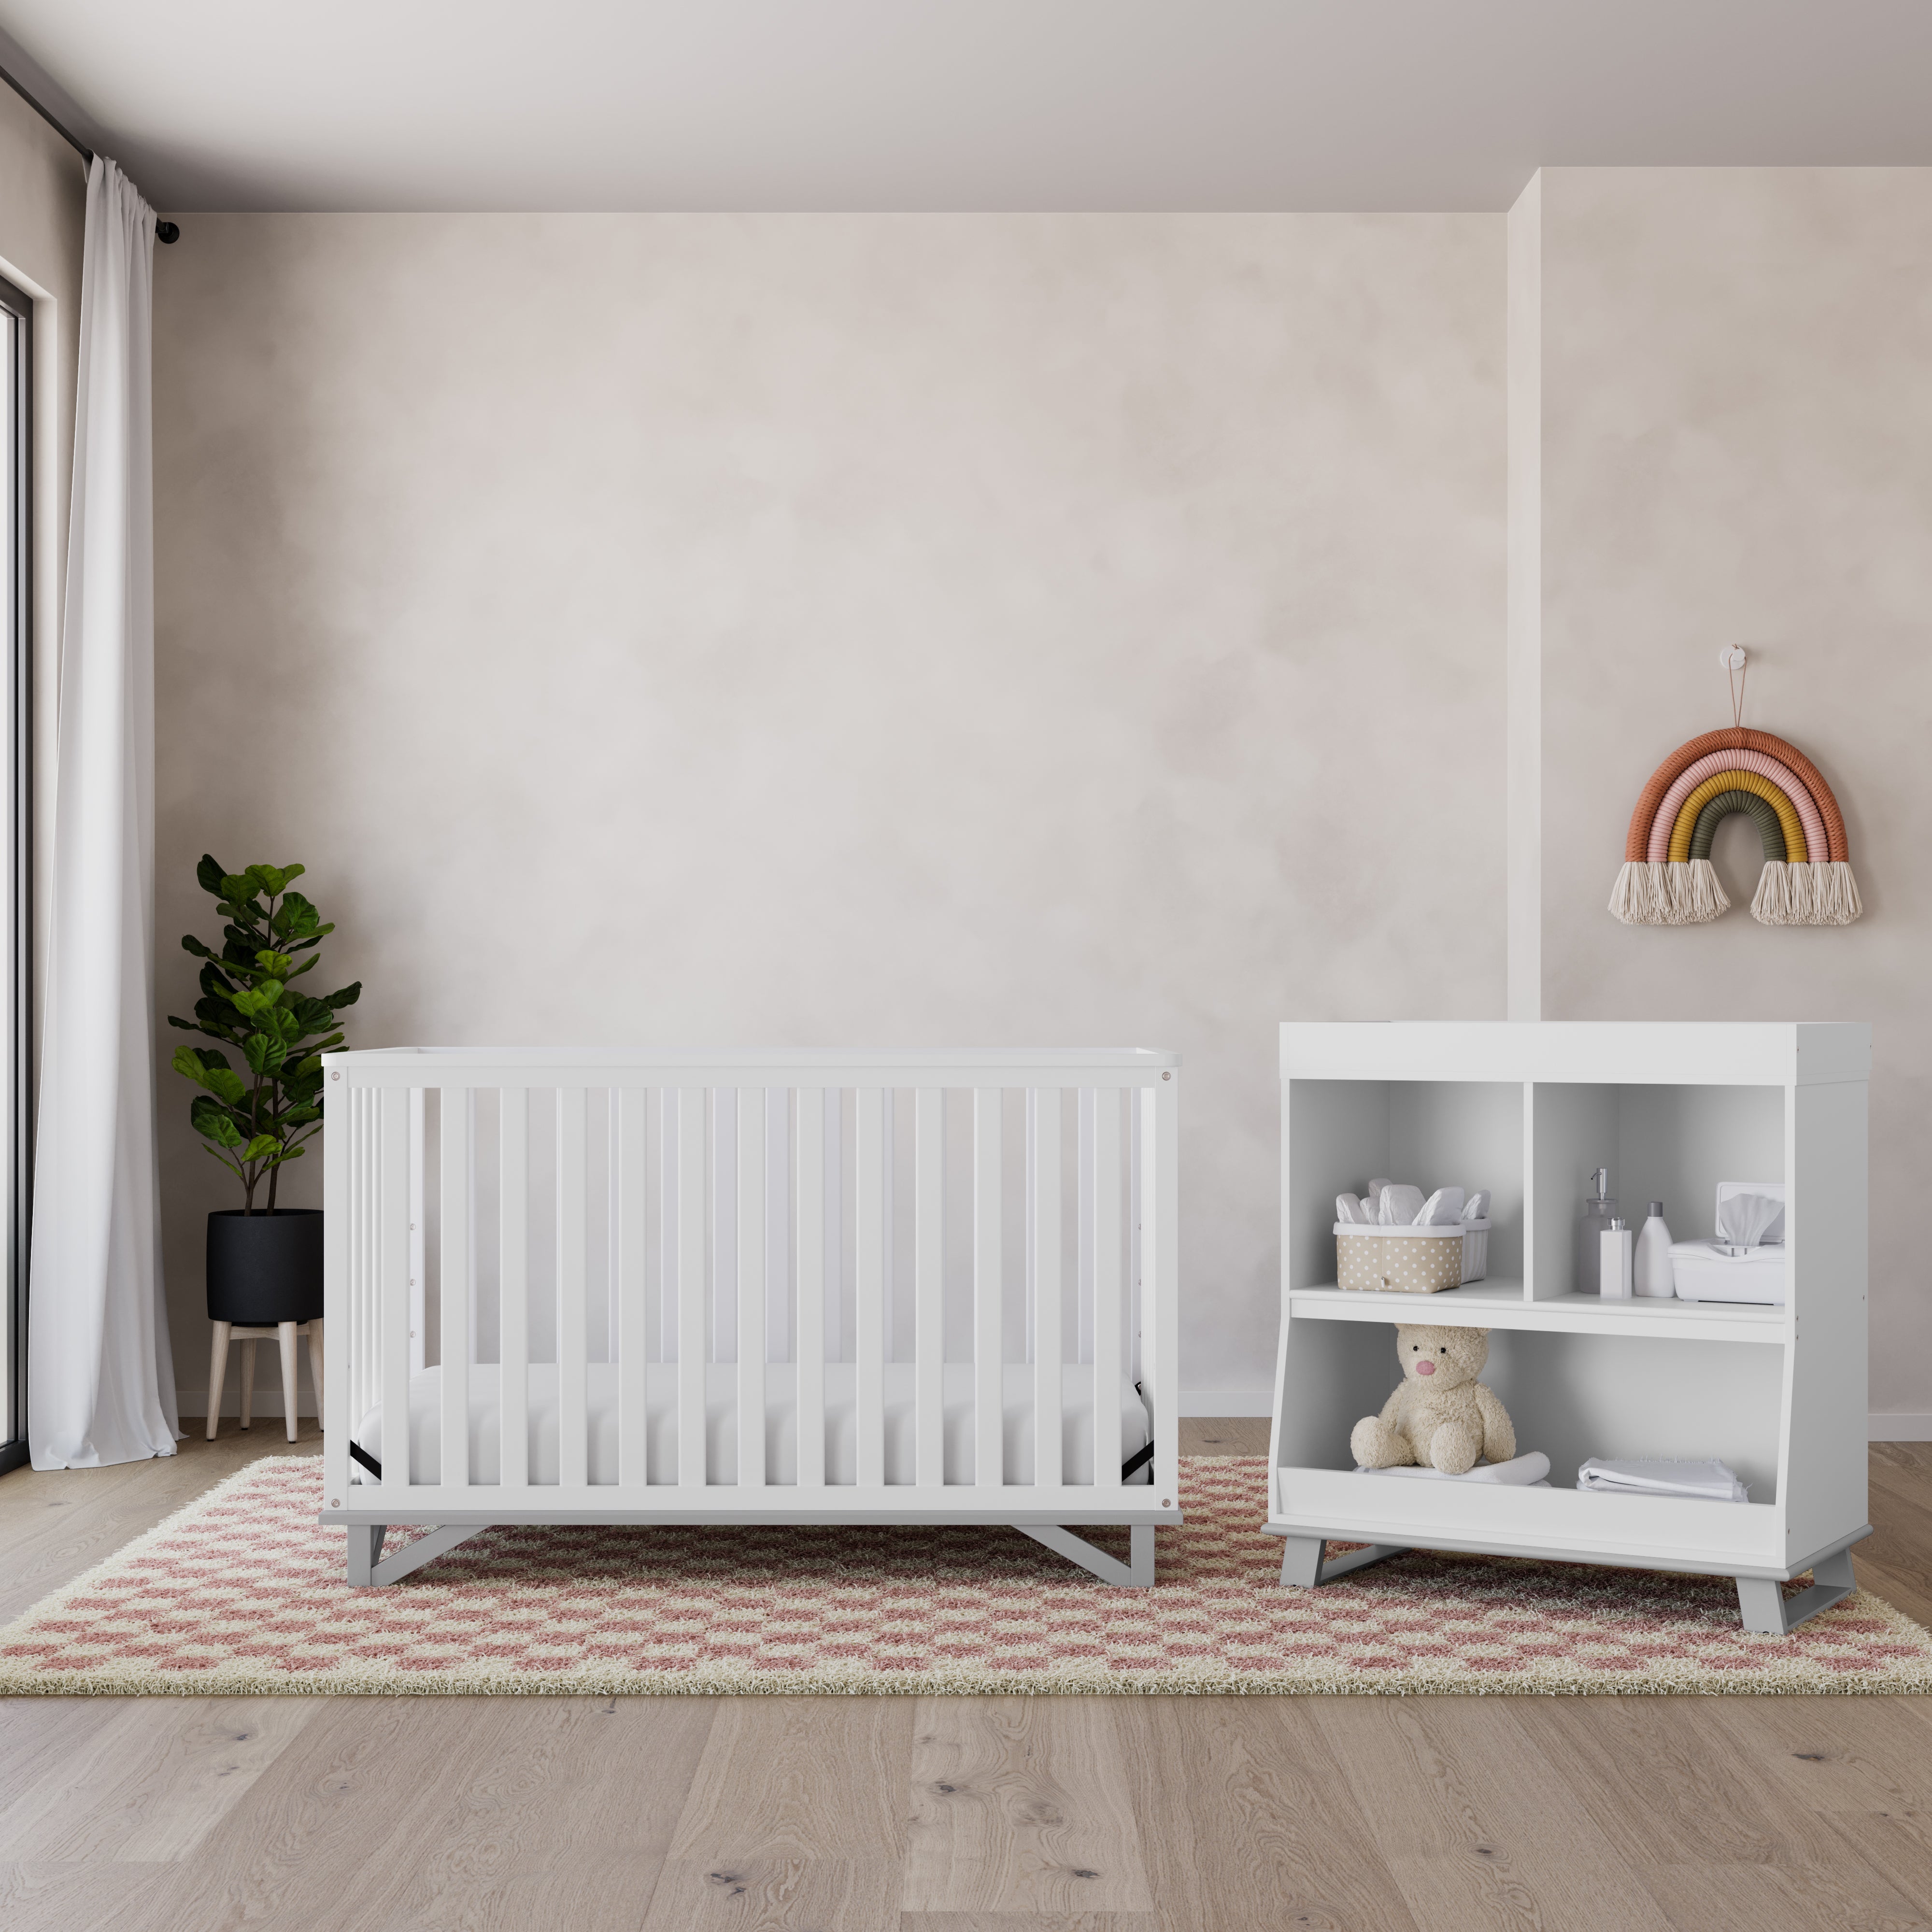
(1721, 1270)
(1410, 1261)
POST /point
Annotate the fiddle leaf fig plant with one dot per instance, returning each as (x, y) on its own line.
(259, 1115)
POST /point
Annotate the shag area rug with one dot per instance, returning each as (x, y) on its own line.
(242, 1592)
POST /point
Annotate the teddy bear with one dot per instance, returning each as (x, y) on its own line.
(1440, 1417)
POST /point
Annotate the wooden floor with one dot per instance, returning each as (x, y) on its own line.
(1212, 1814)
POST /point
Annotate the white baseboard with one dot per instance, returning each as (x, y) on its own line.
(1899, 1425)
(268, 1401)
(1226, 1401)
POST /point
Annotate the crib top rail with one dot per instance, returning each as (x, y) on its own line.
(808, 1066)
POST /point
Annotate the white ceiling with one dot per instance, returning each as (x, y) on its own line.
(946, 104)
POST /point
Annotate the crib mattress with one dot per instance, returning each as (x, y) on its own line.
(721, 1424)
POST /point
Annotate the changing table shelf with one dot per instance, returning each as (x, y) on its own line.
(1528, 1110)
(1503, 1304)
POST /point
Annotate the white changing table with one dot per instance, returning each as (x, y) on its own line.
(1528, 1109)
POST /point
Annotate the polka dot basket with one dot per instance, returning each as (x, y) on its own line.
(1410, 1261)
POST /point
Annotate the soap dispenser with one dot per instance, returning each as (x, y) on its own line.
(1654, 1276)
(1599, 1210)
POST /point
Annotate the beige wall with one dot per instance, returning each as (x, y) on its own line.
(838, 630)
(1736, 412)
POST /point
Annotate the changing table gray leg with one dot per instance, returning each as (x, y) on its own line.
(1303, 1566)
(1766, 1610)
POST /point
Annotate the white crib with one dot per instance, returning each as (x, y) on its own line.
(813, 1287)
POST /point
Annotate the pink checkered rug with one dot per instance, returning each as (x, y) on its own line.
(241, 1591)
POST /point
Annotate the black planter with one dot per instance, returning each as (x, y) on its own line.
(263, 1269)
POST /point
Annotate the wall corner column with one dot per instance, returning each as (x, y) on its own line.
(1524, 391)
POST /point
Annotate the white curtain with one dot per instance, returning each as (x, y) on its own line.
(101, 1385)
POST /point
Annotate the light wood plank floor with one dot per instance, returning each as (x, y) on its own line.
(864, 1814)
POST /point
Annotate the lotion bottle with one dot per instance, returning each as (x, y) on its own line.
(1614, 1244)
(1655, 1277)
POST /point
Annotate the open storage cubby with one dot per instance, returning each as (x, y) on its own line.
(1529, 1111)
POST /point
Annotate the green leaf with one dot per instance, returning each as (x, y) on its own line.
(295, 1115)
(216, 1015)
(296, 917)
(225, 1083)
(214, 981)
(347, 997)
(275, 964)
(191, 944)
(265, 1055)
(267, 880)
(219, 1129)
(212, 878)
(261, 1146)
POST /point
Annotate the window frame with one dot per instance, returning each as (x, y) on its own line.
(17, 1181)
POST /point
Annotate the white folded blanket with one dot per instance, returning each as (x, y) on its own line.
(1711, 1482)
(1520, 1471)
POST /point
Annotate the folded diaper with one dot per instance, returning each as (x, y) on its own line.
(1350, 1211)
(1443, 1209)
(1372, 1197)
(1711, 1482)
(1477, 1206)
(1519, 1472)
(1399, 1206)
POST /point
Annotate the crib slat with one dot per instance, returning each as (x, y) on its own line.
(627, 1261)
(513, 1296)
(573, 1354)
(692, 1348)
(1160, 1256)
(1108, 1286)
(808, 1268)
(752, 1286)
(869, 1260)
(393, 1282)
(418, 1229)
(989, 1290)
(455, 1119)
(928, 1236)
(1047, 1344)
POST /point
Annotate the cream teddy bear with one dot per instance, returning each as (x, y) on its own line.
(1441, 1416)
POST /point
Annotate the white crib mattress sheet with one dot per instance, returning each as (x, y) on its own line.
(721, 1423)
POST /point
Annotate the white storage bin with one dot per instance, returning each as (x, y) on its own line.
(1410, 1261)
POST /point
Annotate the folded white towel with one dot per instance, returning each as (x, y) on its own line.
(1372, 1197)
(1713, 1481)
(1519, 1472)
(1348, 1209)
(1399, 1206)
(1477, 1206)
(1443, 1209)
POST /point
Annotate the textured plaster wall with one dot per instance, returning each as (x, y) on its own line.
(1737, 447)
(846, 630)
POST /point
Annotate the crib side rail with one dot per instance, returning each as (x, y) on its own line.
(784, 1205)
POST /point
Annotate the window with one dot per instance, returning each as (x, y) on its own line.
(16, 335)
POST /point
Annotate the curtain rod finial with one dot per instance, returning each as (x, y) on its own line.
(166, 231)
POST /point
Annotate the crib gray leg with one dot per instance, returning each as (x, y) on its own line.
(1136, 1573)
(365, 1548)
(1303, 1563)
(367, 1571)
(1766, 1610)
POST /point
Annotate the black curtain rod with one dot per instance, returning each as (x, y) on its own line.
(164, 231)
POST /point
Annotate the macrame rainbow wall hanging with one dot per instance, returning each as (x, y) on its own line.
(1667, 878)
